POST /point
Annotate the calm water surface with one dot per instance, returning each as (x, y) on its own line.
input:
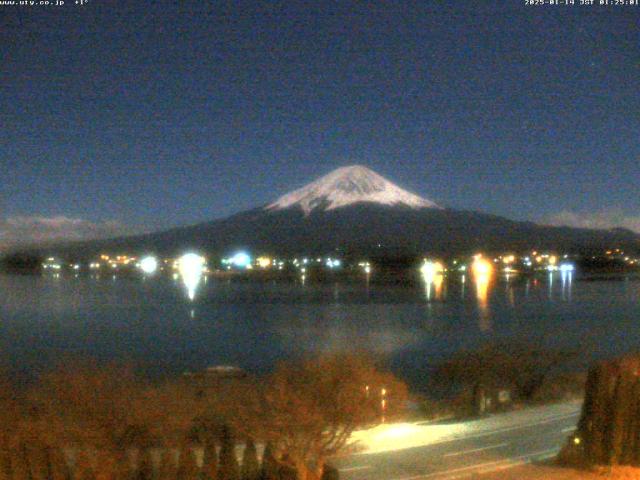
(254, 324)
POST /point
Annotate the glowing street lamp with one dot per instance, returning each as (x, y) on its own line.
(432, 274)
(430, 269)
(241, 260)
(191, 268)
(481, 266)
(149, 265)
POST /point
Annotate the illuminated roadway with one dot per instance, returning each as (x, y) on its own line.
(485, 446)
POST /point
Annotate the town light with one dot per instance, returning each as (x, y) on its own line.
(191, 267)
(480, 266)
(190, 264)
(241, 260)
(149, 264)
(432, 274)
(508, 259)
(430, 269)
(263, 262)
(333, 263)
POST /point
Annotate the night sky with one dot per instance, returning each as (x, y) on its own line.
(125, 116)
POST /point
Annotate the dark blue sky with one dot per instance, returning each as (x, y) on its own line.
(158, 113)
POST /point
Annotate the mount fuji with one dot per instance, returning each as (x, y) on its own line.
(349, 186)
(355, 211)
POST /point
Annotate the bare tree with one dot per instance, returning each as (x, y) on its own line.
(305, 410)
(312, 407)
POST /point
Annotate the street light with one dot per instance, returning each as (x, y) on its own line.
(191, 268)
(149, 265)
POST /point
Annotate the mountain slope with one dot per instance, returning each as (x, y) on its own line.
(365, 230)
(355, 211)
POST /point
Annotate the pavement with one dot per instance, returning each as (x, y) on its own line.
(445, 451)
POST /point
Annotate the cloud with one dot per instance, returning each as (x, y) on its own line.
(26, 230)
(604, 219)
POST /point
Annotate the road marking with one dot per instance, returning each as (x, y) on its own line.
(353, 469)
(474, 450)
(569, 429)
(486, 467)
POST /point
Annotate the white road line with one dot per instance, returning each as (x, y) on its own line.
(353, 469)
(474, 450)
(568, 429)
(488, 466)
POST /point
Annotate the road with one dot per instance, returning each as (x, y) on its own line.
(461, 450)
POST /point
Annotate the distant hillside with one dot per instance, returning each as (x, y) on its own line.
(355, 211)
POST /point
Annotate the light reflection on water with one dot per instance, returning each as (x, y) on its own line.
(255, 324)
(482, 281)
(433, 288)
(567, 284)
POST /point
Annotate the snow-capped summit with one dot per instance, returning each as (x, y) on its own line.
(346, 186)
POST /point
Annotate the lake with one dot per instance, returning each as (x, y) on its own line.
(253, 324)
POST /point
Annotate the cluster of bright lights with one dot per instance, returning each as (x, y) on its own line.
(297, 262)
(431, 269)
(366, 266)
(53, 266)
(264, 262)
(333, 263)
(508, 259)
(567, 267)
